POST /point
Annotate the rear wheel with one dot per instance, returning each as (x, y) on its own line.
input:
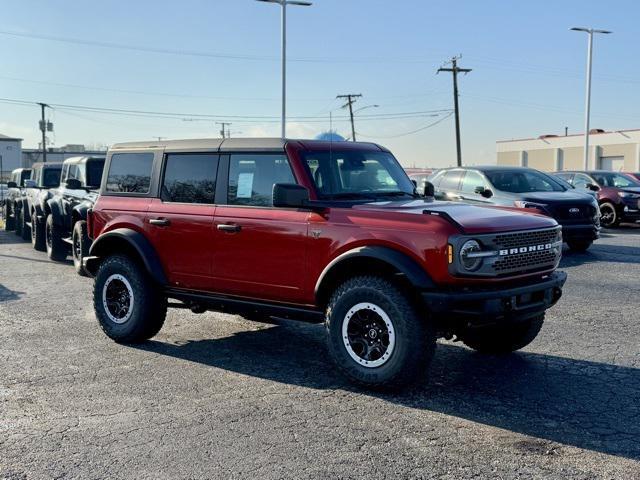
(37, 234)
(56, 247)
(504, 338)
(128, 305)
(579, 245)
(9, 221)
(80, 249)
(609, 217)
(25, 231)
(375, 335)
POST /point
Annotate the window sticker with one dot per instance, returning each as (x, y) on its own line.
(245, 185)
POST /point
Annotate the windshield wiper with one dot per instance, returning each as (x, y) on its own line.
(349, 196)
(396, 194)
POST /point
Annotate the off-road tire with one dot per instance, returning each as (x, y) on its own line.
(17, 214)
(579, 245)
(80, 246)
(502, 339)
(57, 249)
(25, 231)
(9, 221)
(611, 217)
(415, 337)
(38, 240)
(149, 306)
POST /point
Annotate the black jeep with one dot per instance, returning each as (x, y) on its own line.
(66, 221)
(12, 200)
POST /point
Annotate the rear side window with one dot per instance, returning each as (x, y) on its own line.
(251, 178)
(451, 180)
(130, 173)
(190, 178)
(93, 173)
(51, 177)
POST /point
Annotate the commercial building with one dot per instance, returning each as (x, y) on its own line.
(616, 151)
(10, 155)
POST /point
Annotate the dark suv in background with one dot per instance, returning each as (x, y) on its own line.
(66, 210)
(524, 188)
(13, 195)
(618, 194)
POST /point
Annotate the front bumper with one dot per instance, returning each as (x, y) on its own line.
(486, 306)
(580, 232)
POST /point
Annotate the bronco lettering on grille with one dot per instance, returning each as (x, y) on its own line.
(530, 248)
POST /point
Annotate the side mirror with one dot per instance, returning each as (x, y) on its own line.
(593, 187)
(290, 195)
(30, 184)
(73, 184)
(12, 185)
(415, 184)
(429, 189)
(485, 192)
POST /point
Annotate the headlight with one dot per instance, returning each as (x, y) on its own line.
(470, 263)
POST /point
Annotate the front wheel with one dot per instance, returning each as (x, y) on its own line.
(81, 242)
(504, 338)
(56, 246)
(579, 245)
(375, 335)
(37, 234)
(128, 305)
(609, 217)
(9, 221)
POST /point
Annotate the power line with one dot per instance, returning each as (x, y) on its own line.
(433, 124)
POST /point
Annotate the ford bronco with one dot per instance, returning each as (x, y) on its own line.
(316, 231)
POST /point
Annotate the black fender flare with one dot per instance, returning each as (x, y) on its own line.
(56, 211)
(135, 240)
(401, 262)
(80, 211)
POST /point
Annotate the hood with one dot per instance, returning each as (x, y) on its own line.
(470, 218)
(568, 197)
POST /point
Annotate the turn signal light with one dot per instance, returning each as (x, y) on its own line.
(450, 253)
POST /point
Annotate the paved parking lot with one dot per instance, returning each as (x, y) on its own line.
(215, 396)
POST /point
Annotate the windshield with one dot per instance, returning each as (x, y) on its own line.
(94, 173)
(525, 181)
(616, 180)
(357, 175)
(51, 177)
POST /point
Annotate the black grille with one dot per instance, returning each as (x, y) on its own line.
(523, 239)
(567, 214)
(525, 261)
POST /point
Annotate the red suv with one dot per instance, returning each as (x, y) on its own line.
(315, 231)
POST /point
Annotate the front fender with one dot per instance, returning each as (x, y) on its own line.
(126, 240)
(56, 211)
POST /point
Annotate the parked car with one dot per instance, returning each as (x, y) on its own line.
(317, 231)
(635, 175)
(44, 176)
(524, 188)
(12, 195)
(618, 194)
(66, 210)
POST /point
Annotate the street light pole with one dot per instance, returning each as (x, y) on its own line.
(283, 4)
(587, 107)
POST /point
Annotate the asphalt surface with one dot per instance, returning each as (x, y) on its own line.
(215, 396)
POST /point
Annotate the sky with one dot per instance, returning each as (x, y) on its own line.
(200, 59)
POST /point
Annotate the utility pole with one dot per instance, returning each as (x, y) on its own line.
(587, 102)
(222, 130)
(351, 99)
(455, 70)
(43, 128)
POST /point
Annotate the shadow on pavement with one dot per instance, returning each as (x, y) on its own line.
(585, 404)
(601, 253)
(7, 295)
(37, 260)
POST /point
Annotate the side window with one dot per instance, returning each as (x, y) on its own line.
(189, 178)
(251, 178)
(580, 180)
(471, 181)
(93, 173)
(51, 177)
(451, 180)
(130, 173)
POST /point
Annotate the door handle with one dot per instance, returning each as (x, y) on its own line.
(229, 227)
(160, 222)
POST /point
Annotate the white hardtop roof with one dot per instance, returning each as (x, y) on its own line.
(207, 144)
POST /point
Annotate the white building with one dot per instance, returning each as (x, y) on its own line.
(11, 152)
